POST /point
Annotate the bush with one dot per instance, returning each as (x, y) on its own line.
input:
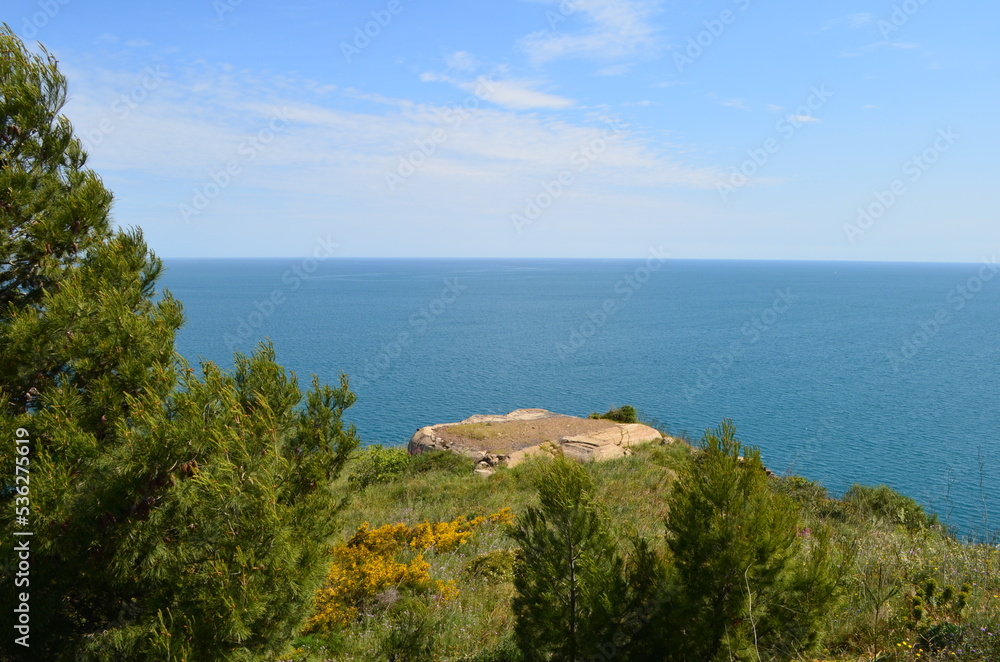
(803, 491)
(412, 633)
(883, 503)
(493, 567)
(624, 414)
(443, 461)
(378, 465)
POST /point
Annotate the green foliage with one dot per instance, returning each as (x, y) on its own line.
(886, 505)
(623, 414)
(743, 580)
(493, 567)
(411, 635)
(806, 493)
(506, 651)
(568, 571)
(937, 615)
(378, 465)
(440, 461)
(176, 516)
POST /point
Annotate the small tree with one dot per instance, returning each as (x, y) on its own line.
(743, 583)
(569, 574)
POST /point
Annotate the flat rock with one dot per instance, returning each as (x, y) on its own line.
(508, 439)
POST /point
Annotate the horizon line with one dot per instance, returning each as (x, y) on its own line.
(984, 259)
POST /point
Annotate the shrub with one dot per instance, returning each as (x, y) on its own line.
(443, 461)
(493, 567)
(378, 465)
(883, 503)
(412, 633)
(624, 414)
(391, 557)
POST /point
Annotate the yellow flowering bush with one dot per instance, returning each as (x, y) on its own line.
(375, 560)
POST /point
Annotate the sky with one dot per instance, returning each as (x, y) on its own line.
(723, 129)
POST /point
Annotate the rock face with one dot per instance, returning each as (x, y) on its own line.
(506, 440)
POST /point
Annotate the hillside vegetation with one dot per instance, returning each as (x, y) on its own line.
(895, 585)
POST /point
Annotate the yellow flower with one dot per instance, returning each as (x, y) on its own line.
(373, 561)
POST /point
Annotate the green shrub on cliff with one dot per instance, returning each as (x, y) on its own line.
(623, 414)
(378, 465)
(884, 504)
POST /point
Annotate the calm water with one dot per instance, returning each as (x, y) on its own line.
(842, 372)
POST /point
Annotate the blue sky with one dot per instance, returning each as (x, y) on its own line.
(585, 128)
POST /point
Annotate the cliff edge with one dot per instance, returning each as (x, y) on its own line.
(507, 439)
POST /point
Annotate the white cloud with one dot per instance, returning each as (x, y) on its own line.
(803, 119)
(326, 171)
(462, 61)
(853, 21)
(509, 93)
(519, 95)
(898, 45)
(614, 29)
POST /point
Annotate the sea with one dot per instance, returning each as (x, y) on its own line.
(842, 372)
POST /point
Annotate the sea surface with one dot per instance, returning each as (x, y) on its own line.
(841, 372)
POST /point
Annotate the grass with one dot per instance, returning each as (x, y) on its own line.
(478, 431)
(892, 551)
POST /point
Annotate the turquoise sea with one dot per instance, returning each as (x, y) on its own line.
(841, 372)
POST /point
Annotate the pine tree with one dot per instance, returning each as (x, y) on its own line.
(175, 516)
(569, 575)
(742, 584)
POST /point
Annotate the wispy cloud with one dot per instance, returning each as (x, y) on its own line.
(734, 103)
(878, 45)
(853, 21)
(334, 154)
(613, 29)
(510, 93)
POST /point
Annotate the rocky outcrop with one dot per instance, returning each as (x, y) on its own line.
(508, 439)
